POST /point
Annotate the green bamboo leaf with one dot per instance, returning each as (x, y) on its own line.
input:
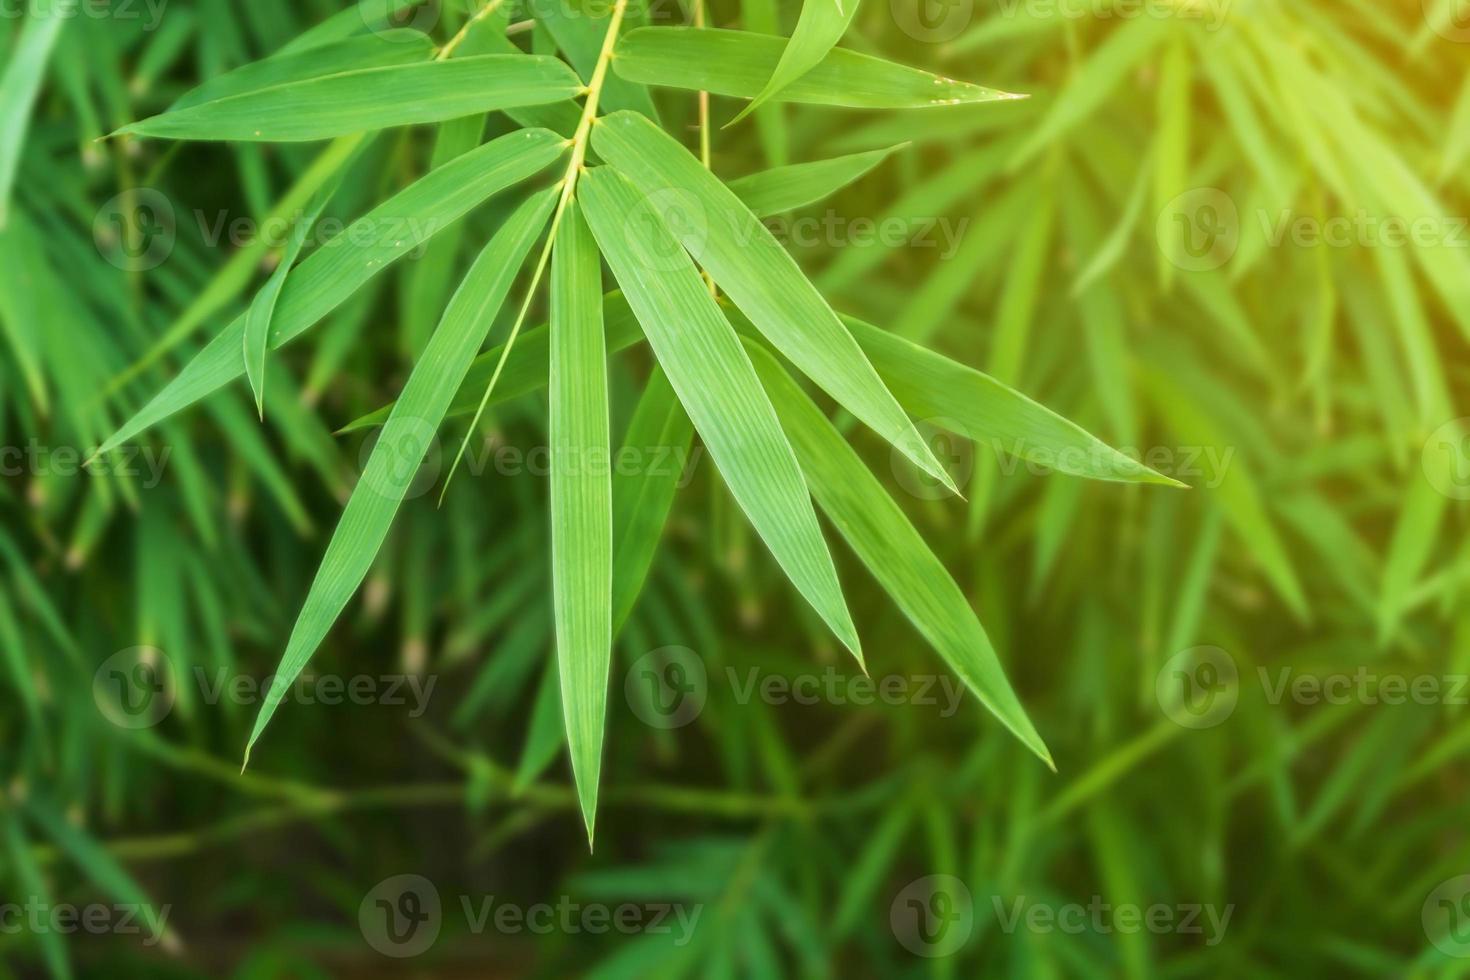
(525, 367)
(764, 281)
(739, 63)
(394, 47)
(98, 865)
(368, 99)
(644, 495)
(981, 408)
(877, 530)
(20, 84)
(581, 500)
(797, 185)
(28, 877)
(820, 26)
(718, 387)
(339, 268)
(263, 308)
(405, 440)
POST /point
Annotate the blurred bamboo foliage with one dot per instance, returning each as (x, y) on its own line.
(1226, 235)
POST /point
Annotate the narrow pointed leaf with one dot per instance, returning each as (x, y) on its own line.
(395, 47)
(368, 99)
(739, 63)
(764, 281)
(581, 500)
(1001, 418)
(896, 554)
(820, 26)
(339, 268)
(405, 440)
(20, 83)
(718, 387)
(782, 189)
(263, 307)
(643, 497)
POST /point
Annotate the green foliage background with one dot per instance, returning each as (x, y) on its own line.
(1307, 392)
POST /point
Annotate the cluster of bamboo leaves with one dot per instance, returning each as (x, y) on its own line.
(1322, 544)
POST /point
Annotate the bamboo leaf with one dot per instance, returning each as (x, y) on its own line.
(820, 26)
(369, 99)
(893, 551)
(796, 185)
(20, 83)
(581, 500)
(718, 387)
(644, 496)
(263, 308)
(739, 63)
(395, 47)
(369, 245)
(763, 280)
(405, 440)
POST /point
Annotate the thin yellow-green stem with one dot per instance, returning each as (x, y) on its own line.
(448, 49)
(568, 187)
